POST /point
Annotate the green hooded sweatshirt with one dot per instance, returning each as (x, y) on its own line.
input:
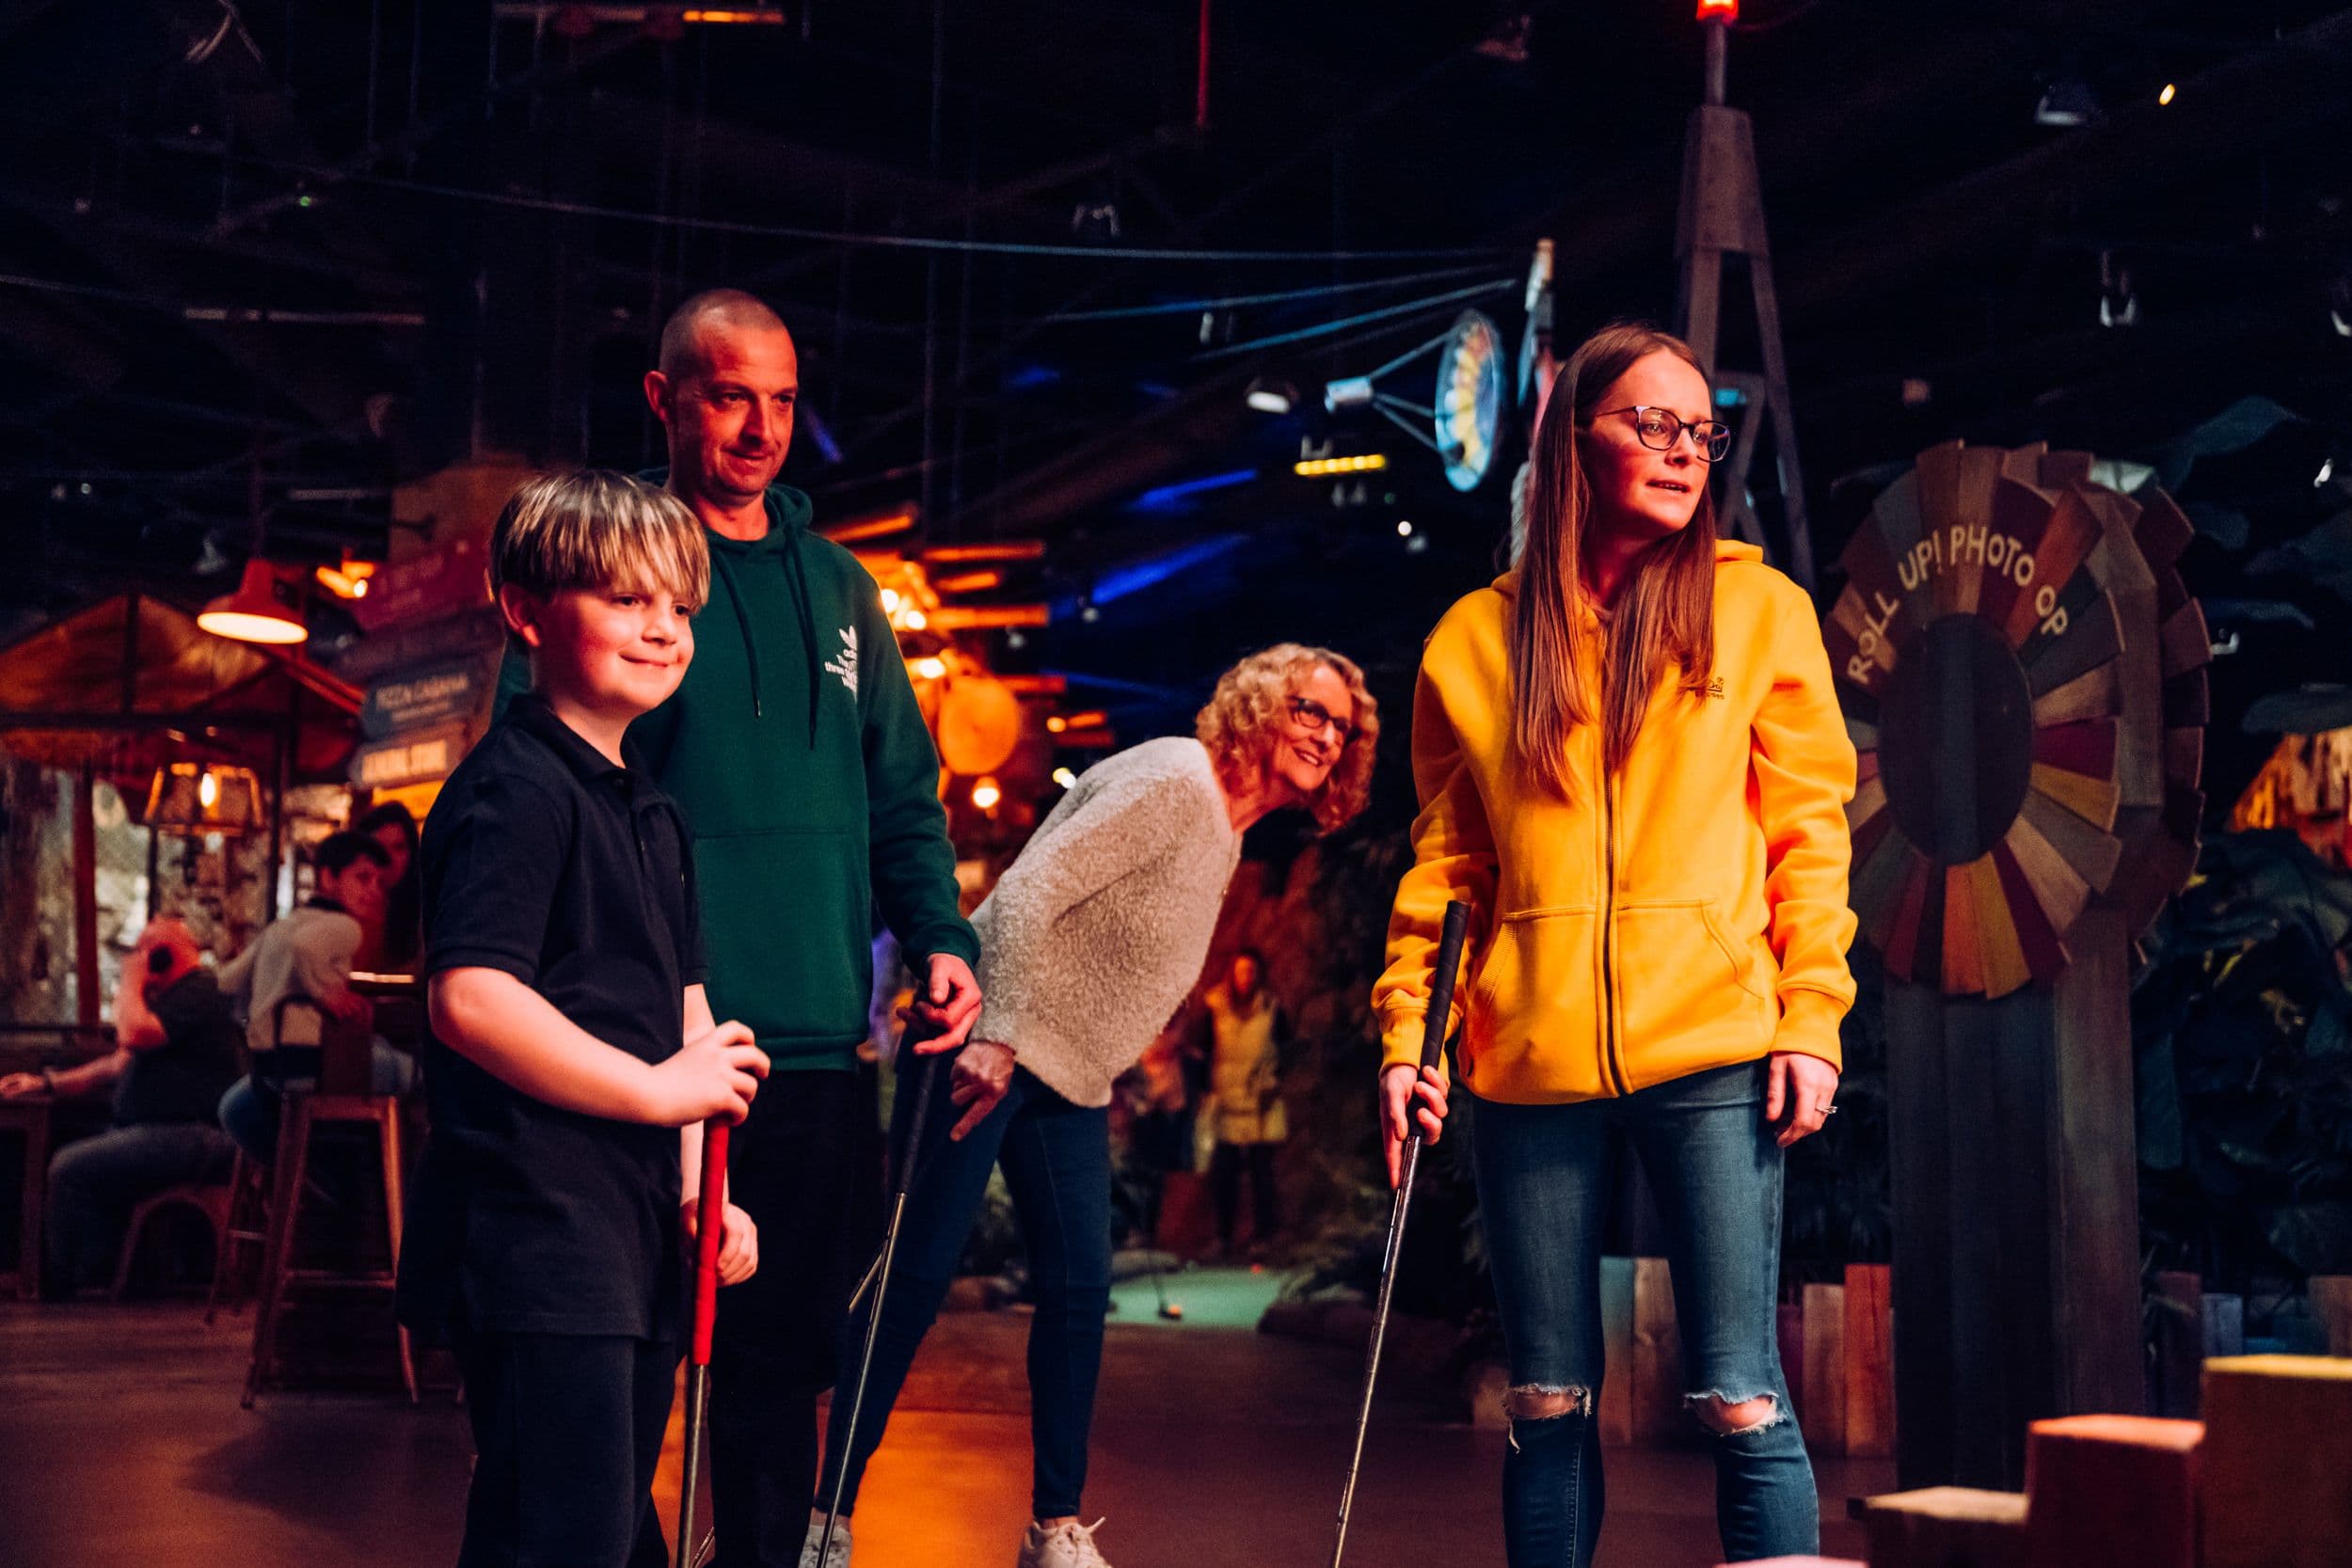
(795, 748)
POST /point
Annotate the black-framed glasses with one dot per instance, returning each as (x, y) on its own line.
(1660, 428)
(1314, 717)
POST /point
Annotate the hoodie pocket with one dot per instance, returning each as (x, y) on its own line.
(1681, 982)
(1534, 990)
(788, 923)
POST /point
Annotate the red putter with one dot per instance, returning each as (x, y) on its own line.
(711, 1220)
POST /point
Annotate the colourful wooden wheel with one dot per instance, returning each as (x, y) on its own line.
(2021, 670)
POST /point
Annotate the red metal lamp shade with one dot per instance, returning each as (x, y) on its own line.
(266, 608)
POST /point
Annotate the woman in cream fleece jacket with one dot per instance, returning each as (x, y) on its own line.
(1090, 943)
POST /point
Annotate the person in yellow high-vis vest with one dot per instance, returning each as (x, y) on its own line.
(1245, 1092)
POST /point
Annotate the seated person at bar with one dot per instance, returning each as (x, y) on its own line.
(572, 1041)
(307, 957)
(177, 1050)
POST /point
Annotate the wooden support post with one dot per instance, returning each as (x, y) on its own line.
(1723, 216)
(2178, 1303)
(1869, 1362)
(2331, 1304)
(86, 1000)
(2017, 1267)
(1821, 1404)
(1616, 1338)
(1658, 1386)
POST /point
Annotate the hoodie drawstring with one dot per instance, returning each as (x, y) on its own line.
(742, 621)
(798, 572)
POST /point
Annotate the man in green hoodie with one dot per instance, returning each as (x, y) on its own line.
(798, 753)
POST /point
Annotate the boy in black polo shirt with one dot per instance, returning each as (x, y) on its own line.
(572, 1041)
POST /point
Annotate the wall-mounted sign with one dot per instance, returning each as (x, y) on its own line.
(442, 581)
(421, 699)
(417, 757)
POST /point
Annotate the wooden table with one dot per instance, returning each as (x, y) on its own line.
(29, 1117)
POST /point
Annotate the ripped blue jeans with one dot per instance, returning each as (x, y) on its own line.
(1542, 1192)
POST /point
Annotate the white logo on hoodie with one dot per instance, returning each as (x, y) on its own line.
(846, 665)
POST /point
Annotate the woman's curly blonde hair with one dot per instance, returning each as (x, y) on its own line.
(1248, 712)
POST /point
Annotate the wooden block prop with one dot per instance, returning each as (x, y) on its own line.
(1187, 1221)
(2176, 1372)
(1658, 1386)
(2119, 1489)
(1946, 1527)
(2028, 804)
(1616, 1338)
(1870, 1361)
(2277, 1462)
(1788, 1332)
(1821, 1402)
(2331, 1304)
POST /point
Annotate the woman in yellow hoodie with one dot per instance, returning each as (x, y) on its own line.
(1631, 764)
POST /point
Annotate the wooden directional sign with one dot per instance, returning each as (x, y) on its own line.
(2022, 673)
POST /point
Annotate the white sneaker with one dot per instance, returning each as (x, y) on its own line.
(838, 1557)
(1066, 1546)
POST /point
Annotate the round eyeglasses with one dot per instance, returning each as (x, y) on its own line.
(1660, 428)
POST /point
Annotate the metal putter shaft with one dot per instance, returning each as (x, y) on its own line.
(878, 1275)
(710, 1219)
(1431, 1047)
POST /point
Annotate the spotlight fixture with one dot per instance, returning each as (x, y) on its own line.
(2067, 102)
(2164, 99)
(1269, 396)
(2119, 306)
(986, 793)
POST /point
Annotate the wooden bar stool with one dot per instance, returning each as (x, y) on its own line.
(244, 1232)
(342, 1096)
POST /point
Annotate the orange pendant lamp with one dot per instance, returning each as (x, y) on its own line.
(266, 608)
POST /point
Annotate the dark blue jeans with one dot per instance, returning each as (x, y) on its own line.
(1058, 1165)
(95, 1182)
(1714, 1162)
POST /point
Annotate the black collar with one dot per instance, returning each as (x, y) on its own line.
(538, 718)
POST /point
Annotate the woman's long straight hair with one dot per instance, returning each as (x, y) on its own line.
(1562, 676)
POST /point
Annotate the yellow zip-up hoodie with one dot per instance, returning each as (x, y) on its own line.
(1690, 916)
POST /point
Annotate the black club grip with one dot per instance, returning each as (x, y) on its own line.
(1441, 982)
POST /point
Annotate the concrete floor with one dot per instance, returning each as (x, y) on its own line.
(122, 1446)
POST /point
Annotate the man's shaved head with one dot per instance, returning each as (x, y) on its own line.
(725, 391)
(713, 309)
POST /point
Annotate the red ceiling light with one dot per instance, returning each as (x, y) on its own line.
(266, 608)
(1719, 11)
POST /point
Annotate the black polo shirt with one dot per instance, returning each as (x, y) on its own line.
(544, 861)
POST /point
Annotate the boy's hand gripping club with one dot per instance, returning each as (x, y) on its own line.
(1432, 1048)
